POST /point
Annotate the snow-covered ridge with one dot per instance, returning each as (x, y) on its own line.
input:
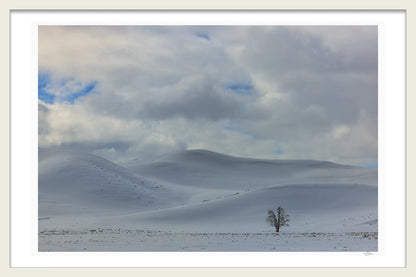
(202, 168)
(206, 156)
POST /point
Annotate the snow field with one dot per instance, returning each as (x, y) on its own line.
(114, 240)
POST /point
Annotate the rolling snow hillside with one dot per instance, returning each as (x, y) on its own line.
(202, 192)
(75, 184)
(319, 208)
(206, 169)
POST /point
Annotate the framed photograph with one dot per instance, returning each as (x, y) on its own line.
(208, 138)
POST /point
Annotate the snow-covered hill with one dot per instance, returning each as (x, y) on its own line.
(77, 185)
(320, 208)
(203, 192)
(206, 169)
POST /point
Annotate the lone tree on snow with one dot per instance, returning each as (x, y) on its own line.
(278, 221)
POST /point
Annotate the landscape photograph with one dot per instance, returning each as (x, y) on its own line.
(208, 138)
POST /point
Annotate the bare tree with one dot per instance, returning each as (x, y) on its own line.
(278, 219)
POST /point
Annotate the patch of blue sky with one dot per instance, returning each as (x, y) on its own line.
(43, 94)
(87, 89)
(204, 36)
(240, 88)
(45, 83)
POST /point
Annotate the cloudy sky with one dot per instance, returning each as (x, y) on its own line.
(299, 92)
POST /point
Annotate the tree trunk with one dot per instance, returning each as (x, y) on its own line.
(277, 225)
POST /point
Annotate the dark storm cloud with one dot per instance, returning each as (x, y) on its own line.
(338, 82)
(199, 100)
(193, 97)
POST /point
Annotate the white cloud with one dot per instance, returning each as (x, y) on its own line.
(313, 90)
